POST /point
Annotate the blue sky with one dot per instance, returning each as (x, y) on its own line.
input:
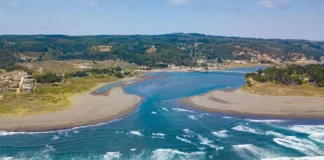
(296, 19)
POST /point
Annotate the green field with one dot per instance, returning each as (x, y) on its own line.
(48, 98)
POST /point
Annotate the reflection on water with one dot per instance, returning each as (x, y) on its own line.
(163, 129)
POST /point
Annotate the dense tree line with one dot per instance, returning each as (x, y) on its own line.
(53, 78)
(179, 48)
(291, 74)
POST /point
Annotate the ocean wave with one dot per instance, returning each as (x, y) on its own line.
(55, 137)
(7, 133)
(266, 120)
(308, 129)
(315, 132)
(188, 131)
(6, 158)
(246, 129)
(112, 155)
(182, 110)
(226, 117)
(184, 140)
(220, 134)
(301, 145)
(153, 112)
(297, 158)
(276, 134)
(165, 109)
(169, 154)
(250, 151)
(209, 143)
(158, 135)
(133, 149)
(319, 137)
(136, 133)
(193, 117)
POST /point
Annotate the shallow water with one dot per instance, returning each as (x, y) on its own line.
(162, 129)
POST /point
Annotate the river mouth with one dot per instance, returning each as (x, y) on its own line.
(161, 128)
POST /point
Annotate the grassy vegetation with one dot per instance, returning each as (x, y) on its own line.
(273, 89)
(49, 97)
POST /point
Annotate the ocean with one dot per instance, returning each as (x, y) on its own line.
(162, 129)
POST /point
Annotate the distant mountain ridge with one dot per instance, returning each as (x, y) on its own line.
(176, 48)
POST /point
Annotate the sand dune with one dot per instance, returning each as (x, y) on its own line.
(86, 109)
(238, 102)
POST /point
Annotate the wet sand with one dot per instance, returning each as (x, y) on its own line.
(238, 102)
(87, 109)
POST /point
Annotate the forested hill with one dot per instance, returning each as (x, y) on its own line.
(179, 48)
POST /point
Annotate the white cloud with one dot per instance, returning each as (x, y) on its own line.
(272, 3)
(90, 2)
(179, 2)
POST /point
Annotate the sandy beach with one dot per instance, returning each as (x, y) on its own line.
(87, 109)
(241, 103)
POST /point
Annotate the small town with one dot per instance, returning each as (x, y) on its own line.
(18, 81)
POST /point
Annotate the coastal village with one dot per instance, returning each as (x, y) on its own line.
(18, 81)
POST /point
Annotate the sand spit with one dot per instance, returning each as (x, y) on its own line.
(240, 103)
(87, 109)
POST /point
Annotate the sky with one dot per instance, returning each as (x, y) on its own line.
(285, 19)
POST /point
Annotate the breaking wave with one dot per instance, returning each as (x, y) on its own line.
(193, 117)
(266, 120)
(246, 129)
(249, 151)
(220, 134)
(315, 132)
(112, 155)
(184, 140)
(301, 145)
(168, 154)
(158, 135)
(136, 133)
(182, 110)
(296, 158)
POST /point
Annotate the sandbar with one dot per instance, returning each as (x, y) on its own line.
(87, 109)
(238, 102)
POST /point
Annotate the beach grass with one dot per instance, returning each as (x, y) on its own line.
(47, 98)
(273, 89)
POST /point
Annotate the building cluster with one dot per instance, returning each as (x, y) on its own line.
(18, 81)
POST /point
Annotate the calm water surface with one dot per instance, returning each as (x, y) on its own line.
(163, 129)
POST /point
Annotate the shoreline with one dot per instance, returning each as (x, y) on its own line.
(237, 102)
(88, 108)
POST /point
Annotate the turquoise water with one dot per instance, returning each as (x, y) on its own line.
(163, 129)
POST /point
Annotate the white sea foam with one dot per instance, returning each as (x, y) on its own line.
(158, 135)
(48, 148)
(55, 137)
(188, 131)
(226, 117)
(266, 120)
(182, 110)
(184, 140)
(315, 132)
(165, 109)
(209, 143)
(249, 151)
(297, 158)
(5, 133)
(193, 117)
(153, 112)
(302, 145)
(220, 134)
(319, 137)
(112, 155)
(133, 149)
(167, 154)
(276, 134)
(136, 133)
(246, 129)
(75, 132)
(6, 158)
